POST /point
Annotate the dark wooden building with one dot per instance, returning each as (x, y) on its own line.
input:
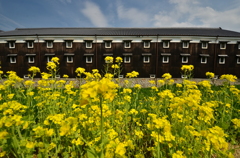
(150, 51)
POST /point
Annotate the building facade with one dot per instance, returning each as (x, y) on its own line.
(150, 51)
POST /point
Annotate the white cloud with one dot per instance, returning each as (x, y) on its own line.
(94, 14)
(7, 23)
(190, 13)
(132, 15)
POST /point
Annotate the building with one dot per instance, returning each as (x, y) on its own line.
(150, 51)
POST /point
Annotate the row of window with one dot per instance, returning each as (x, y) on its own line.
(127, 44)
(127, 59)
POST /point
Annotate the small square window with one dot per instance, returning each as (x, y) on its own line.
(31, 59)
(204, 45)
(152, 75)
(25, 76)
(185, 44)
(69, 59)
(49, 58)
(108, 44)
(165, 44)
(120, 76)
(68, 44)
(165, 59)
(203, 60)
(223, 45)
(57, 76)
(49, 44)
(221, 60)
(30, 44)
(127, 59)
(127, 44)
(184, 59)
(146, 59)
(88, 44)
(88, 59)
(238, 60)
(13, 59)
(146, 44)
(11, 44)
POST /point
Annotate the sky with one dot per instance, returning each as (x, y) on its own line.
(119, 13)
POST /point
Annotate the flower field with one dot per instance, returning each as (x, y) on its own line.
(53, 118)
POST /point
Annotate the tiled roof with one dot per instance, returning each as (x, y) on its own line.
(212, 32)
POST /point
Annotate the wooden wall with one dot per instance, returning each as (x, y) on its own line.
(136, 52)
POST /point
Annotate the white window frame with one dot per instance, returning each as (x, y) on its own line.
(223, 45)
(121, 76)
(49, 44)
(203, 60)
(30, 44)
(185, 44)
(183, 59)
(238, 60)
(88, 44)
(204, 46)
(69, 44)
(25, 76)
(146, 44)
(165, 57)
(127, 59)
(29, 59)
(127, 44)
(13, 59)
(166, 44)
(222, 61)
(49, 58)
(152, 76)
(108, 44)
(89, 57)
(146, 59)
(69, 59)
(11, 44)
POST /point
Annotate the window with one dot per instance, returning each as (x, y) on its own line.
(204, 45)
(108, 44)
(49, 58)
(203, 60)
(30, 44)
(146, 44)
(223, 45)
(25, 76)
(146, 59)
(221, 60)
(49, 44)
(88, 44)
(69, 59)
(13, 59)
(31, 59)
(185, 44)
(127, 59)
(239, 45)
(165, 44)
(184, 59)
(68, 44)
(11, 44)
(152, 75)
(120, 76)
(165, 59)
(127, 44)
(88, 59)
(238, 60)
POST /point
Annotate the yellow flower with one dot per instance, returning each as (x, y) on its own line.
(132, 74)
(210, 75)
(3, 134)
(2, 153)
(228, 77)
(30, 145)
(119, 60)
(178, 154)
(55, 60)
(108, 59)
(187, 67)
(65, 76)
(80, 71)
(167, 76)
(34, 70)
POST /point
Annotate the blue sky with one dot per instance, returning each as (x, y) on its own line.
(119, 13)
